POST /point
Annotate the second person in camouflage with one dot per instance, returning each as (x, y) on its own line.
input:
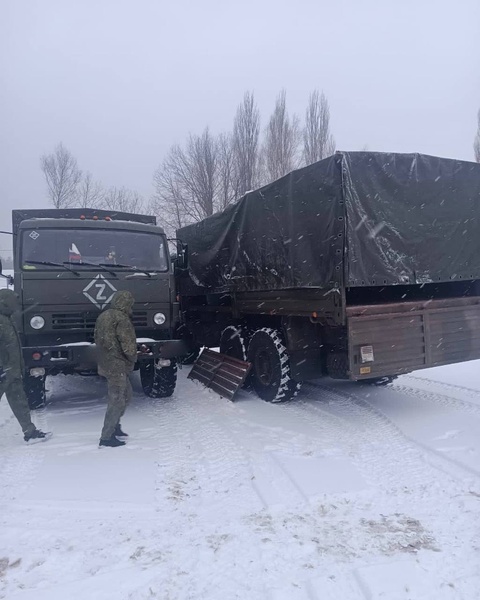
(12, 367)
(116, 354)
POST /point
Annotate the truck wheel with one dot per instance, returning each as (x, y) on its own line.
(337, 365)
(234, 342)
(191, 357)
(35, 391)
(270, 376)
(158, 382)
(184, 334)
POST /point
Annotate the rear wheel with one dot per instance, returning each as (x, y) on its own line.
(234, 342)
(270, 376)
(158, 382)
(35, 391)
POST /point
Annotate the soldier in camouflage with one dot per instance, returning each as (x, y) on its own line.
(12, 367)
(116, 354)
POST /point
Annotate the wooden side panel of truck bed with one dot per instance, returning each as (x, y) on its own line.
(394, 339)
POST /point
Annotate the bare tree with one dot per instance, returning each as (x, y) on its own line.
(282, 137)
(476, 143)
(123, 200)
(227, 179)
(186, 183)
(200, 167)
(168, 202)
(90, 193)
(246, 133)
(318, 142)
(62, 176)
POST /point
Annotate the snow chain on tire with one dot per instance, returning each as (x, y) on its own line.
(287, 387)
(238, 337)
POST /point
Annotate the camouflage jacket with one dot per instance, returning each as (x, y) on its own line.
(11, 357)
(115, 337)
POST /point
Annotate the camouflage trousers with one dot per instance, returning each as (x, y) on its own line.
(18, 402)
(119, 395)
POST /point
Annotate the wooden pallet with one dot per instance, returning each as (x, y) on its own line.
(219, 372)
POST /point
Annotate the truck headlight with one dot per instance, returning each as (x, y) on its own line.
(159, 318)
(37, 322)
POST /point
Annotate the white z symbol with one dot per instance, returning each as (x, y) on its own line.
(100, 294)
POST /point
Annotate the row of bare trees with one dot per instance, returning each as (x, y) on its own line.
(68, 186)
(209, 172)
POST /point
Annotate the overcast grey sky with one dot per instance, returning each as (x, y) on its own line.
(119, 81)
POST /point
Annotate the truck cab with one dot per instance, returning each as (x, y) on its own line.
(67, 267)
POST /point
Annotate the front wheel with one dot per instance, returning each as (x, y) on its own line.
(191, 357)
(158, 382)
(35, 391)
(270, 376)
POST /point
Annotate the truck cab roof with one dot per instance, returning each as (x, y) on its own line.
(46, 223)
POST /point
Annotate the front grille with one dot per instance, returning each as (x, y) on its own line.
(86, 321)
(83, 321)
(140, 319)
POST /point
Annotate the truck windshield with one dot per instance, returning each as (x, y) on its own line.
(137, 250)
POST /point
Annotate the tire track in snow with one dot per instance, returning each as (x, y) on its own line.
(413, 449)
(416, 390)
(207, 485)
(464, 390)
(379, 452)
(268, 476)
(19, 463)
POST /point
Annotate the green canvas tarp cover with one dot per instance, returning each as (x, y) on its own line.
(354, 219)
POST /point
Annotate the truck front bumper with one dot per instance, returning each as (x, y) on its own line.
(81, 356)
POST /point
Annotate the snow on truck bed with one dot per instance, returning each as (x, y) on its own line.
(349, 492)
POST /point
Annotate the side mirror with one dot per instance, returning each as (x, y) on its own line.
(182, 256)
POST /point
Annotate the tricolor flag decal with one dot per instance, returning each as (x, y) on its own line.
(74, 254)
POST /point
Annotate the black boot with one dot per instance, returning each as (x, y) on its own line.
(119, 432)
(37, 436)
(112, 442)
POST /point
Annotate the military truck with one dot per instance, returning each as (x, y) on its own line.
(363, 266)
(67, 266)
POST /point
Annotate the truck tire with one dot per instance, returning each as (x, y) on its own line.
(184, 334)
(234, 342)
(191, 357)
(35, 391)
(337, 365)
(158, 383)
(270, 375)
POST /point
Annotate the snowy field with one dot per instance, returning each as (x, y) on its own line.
(347, 493)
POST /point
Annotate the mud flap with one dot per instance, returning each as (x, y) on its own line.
(219, 372)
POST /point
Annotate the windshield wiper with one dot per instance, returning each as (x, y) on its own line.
(89, 264)
(130, 267)
(50, 264)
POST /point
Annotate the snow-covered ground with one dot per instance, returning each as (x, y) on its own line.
(349, 492)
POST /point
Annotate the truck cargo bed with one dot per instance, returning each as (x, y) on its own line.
(403, 337)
